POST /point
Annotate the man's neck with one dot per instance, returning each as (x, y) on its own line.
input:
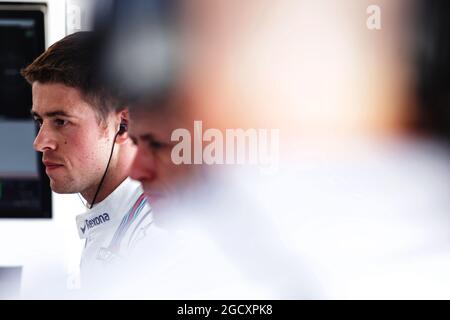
(117, 173)
(108, 186)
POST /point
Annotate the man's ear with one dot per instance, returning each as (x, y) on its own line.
(122, 135)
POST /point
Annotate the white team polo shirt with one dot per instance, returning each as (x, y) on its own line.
(113, 226)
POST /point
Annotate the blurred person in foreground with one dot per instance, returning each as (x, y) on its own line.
(358, 206)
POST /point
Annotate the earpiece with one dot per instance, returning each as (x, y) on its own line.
(123, 128)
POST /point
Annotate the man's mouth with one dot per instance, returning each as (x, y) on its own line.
(50, 166)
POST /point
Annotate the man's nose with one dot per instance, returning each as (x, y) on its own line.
(143, 166)
(44, 140)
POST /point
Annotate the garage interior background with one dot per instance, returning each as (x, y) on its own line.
(35, 244)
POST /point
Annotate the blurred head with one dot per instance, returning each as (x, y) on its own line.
(312, 69)
(151, 128)
(77, 117)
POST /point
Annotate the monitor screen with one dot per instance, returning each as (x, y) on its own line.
(24, 187)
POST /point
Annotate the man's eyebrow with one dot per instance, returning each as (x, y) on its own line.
(50, 114)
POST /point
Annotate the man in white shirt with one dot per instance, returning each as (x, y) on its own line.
(85, 147)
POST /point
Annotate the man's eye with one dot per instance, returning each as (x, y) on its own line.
(38, 122)
(60, 122)
(156, 145)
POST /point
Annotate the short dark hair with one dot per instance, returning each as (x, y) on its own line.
(72, 61)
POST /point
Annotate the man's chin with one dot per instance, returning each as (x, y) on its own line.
(60, 191)
(60, 188)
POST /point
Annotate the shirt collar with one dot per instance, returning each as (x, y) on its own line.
(104, 213)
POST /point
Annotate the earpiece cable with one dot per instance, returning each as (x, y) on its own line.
(106, 170)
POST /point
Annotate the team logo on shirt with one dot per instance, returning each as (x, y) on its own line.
(95, 221)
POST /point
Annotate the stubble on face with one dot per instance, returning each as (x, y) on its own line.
(81, 146)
